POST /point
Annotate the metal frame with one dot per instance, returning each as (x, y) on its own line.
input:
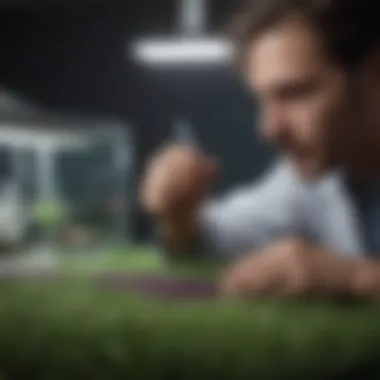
(47, 137)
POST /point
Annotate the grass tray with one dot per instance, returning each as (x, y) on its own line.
(133, 315)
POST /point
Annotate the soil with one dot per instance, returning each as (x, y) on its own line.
(147, 285)
(159, 286)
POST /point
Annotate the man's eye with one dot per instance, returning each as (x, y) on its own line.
(296, 92)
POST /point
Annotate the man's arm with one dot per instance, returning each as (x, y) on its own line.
(295, 267)
(246, 219)
(366, 279)
(179, 236)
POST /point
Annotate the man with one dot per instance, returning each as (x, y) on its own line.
(314, 67)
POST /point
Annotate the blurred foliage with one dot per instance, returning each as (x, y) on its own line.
(50, 214)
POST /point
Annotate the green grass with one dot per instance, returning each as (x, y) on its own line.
(136, 260)
(73, 330)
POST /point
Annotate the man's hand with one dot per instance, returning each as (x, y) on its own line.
(173, 187)
(175, 181)
(296, 268)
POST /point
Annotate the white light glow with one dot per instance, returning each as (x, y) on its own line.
(182, 51)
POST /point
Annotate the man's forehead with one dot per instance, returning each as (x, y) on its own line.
(288, 52)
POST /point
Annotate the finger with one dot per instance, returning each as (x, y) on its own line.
(250, 278)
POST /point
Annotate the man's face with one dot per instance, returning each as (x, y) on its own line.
(307, 105)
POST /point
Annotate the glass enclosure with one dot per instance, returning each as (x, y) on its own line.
(65, 189)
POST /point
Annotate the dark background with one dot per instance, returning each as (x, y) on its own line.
(73, 58)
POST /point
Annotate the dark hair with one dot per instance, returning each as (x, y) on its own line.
(349, 29)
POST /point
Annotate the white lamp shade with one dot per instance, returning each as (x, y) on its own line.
(182, 51)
